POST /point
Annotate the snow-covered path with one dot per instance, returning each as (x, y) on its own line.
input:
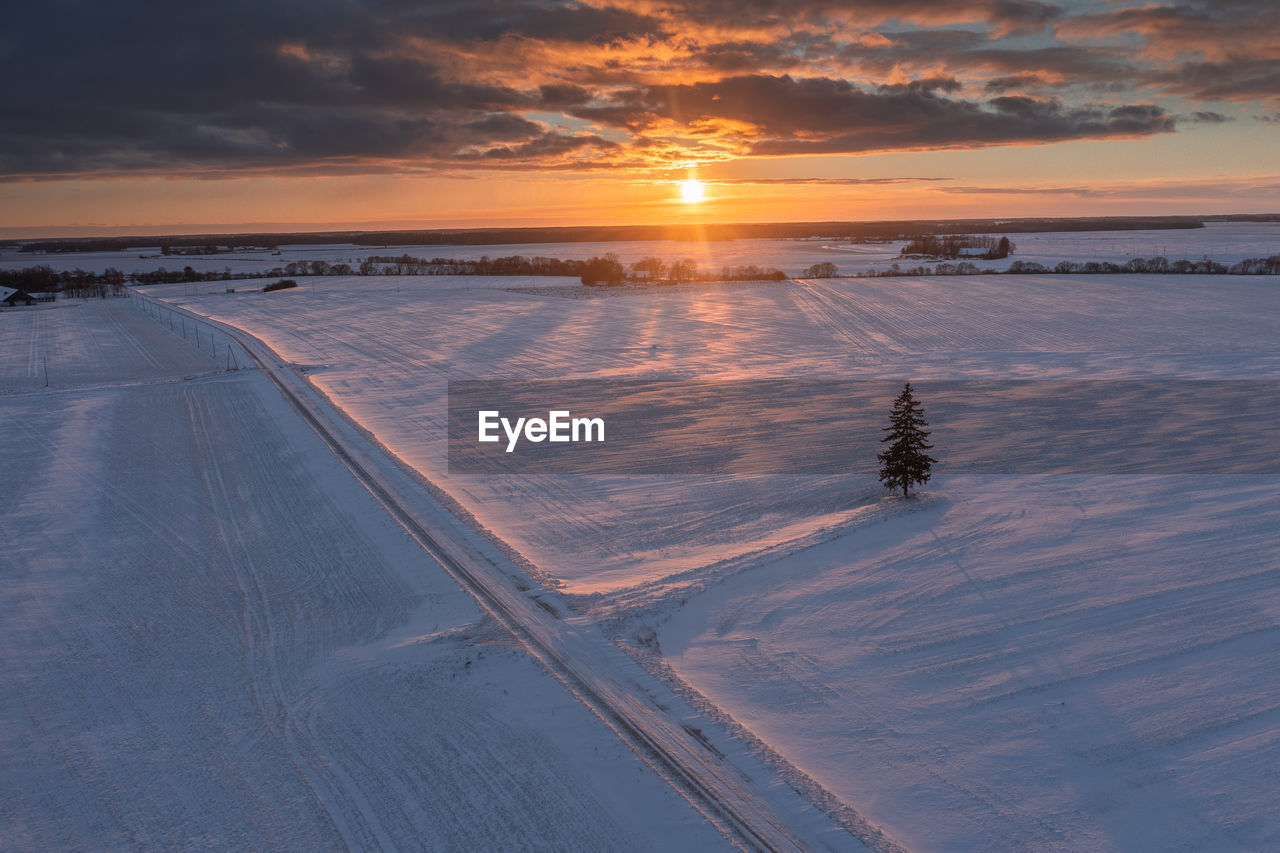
(214, 638)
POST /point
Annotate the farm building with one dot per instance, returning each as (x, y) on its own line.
(9, 297)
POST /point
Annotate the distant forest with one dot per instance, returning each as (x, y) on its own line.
(595, 270)
(866, 232)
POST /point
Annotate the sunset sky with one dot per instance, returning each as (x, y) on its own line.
(138, 116)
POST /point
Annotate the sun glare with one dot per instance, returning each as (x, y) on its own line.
(692, 190)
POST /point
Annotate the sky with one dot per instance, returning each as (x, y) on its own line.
(142, 116)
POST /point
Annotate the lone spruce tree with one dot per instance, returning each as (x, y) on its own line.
(905, 462)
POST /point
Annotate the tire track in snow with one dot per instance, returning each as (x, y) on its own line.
(267, 690)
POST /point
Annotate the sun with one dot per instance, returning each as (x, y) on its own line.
(692, 190)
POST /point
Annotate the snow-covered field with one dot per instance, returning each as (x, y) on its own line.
(1010, 663)
(214, 638)
(1063, 662)
(385, 348)
(1020, 663)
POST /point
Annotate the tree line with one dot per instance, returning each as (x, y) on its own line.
(75, 283)
(1158, 265)
(593, 271)
(212, 249)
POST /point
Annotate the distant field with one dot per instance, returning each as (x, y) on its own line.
(1225, 242)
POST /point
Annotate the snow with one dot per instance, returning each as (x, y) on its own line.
(1012, 662)
(379, 348)
(84, 346)
(215, 638)
(1047, 663)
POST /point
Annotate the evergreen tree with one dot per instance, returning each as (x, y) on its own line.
(905, 462)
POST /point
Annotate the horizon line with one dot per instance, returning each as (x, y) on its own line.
(43, 233)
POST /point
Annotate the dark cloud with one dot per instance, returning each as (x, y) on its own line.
(1225, 50)
(976, 56)
(550, 20)
(548, 145)
(416, 84)
(345, 85)
(1010, 14)
(740, 56)
(562, 95)
(821, 115)
(1208, 26)
(1023, 13)
(1207, 117)
(503, 127)
(892, 49)
(1236, 79)
(1074, 64)
(278, 86)
(924, 84)
(999, 85)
